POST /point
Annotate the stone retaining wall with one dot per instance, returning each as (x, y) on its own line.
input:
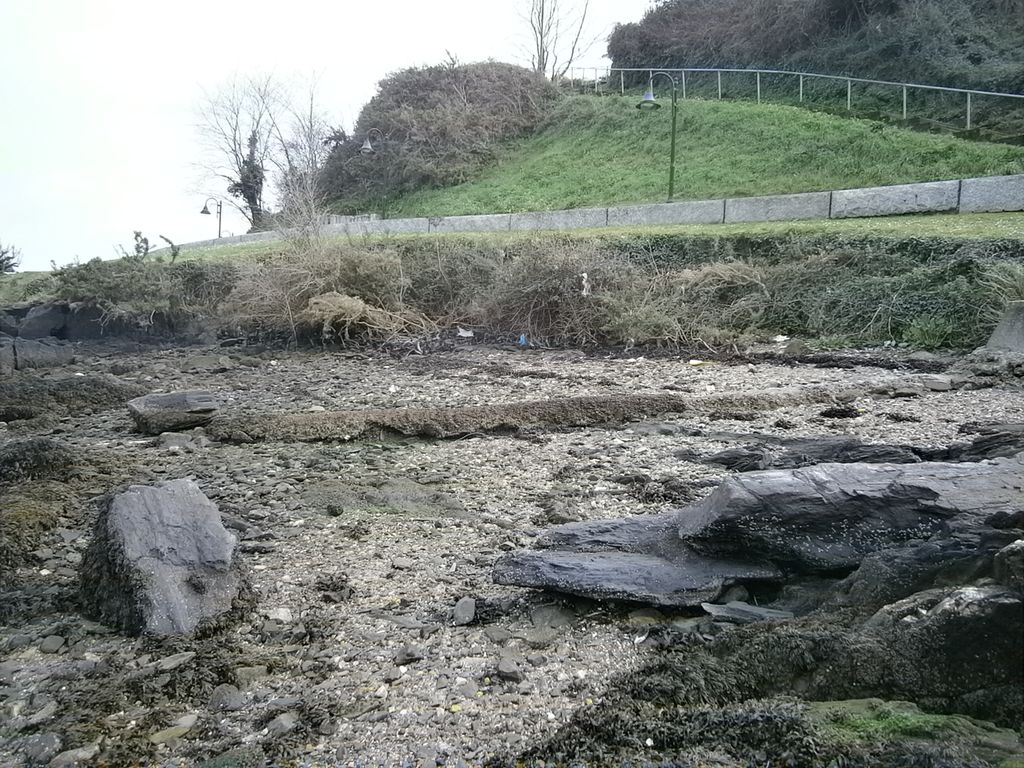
(978, 195)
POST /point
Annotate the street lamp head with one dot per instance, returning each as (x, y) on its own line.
(206, 210)
(648, 101)
(367, 148)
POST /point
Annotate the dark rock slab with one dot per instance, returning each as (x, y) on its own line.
(805, 452)
(686, 580)
(896, 573)
(827, 518)
(173, 412)
(41, 353)
(738, 612)
(160, 561)
(638, 558)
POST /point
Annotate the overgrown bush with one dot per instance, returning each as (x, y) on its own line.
(666, 290)
(439, 125)
(972, 44)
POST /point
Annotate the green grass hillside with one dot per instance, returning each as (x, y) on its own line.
(604, 151)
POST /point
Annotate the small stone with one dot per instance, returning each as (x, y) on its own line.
(73, 756)
(498, 635)
(51, 644)
(173, 733)
(646, 617)
(42, 747)
(403, 564)
(168, 663)
(226, 698)
(509, 670)
(407, 654)
(246, 675)
(553, 616)
(17, 641)
(538, 638)
(465, 611)
(282, 724)
(537, 659)
(284, 615)
(735, 593)
(391, 674)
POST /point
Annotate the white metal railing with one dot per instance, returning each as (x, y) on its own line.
(610, 72)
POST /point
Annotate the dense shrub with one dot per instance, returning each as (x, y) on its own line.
(947, 42)
(439, 123)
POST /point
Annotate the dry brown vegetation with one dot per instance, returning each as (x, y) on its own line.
(659, 290)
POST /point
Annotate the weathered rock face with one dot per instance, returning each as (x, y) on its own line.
(827, 518)
(160, 561)
(18, 354)
(43, 320)
(804, 452)
(173, 412)
(42, 353)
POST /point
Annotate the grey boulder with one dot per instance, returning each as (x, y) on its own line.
(160, 561)
(173, 412)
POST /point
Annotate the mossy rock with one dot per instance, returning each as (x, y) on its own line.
(878, 721)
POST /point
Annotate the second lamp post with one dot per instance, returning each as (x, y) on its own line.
(649, 102)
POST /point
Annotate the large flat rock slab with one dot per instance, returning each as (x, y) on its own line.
(173, 412)
(686, 580)
(827, 518)
(161, 562)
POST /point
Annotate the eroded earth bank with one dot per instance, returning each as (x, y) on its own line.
(816, 562)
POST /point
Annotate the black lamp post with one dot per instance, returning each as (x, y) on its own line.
(367, 148)
(220, 209)
(649, 102)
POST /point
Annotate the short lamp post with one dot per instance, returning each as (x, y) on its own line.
(368, 148)
(648, 102)
(220, 210)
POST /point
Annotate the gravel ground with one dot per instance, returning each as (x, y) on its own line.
(360, 551)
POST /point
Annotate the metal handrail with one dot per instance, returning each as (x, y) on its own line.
(811, 74)
(849, 80)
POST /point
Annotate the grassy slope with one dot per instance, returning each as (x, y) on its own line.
(603, 151)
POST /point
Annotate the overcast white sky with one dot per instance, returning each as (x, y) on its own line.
(97, 97)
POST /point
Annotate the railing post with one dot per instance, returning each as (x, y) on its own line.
(904, 102)
(682, 76)
(849, 94)
(758, 87)
(597, 82)
(968, 110)
(719, 86)
(801, 89)
(622, 81)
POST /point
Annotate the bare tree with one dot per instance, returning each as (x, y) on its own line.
(556, 36)
(237, 124)
(303, 139)
(10, 258)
